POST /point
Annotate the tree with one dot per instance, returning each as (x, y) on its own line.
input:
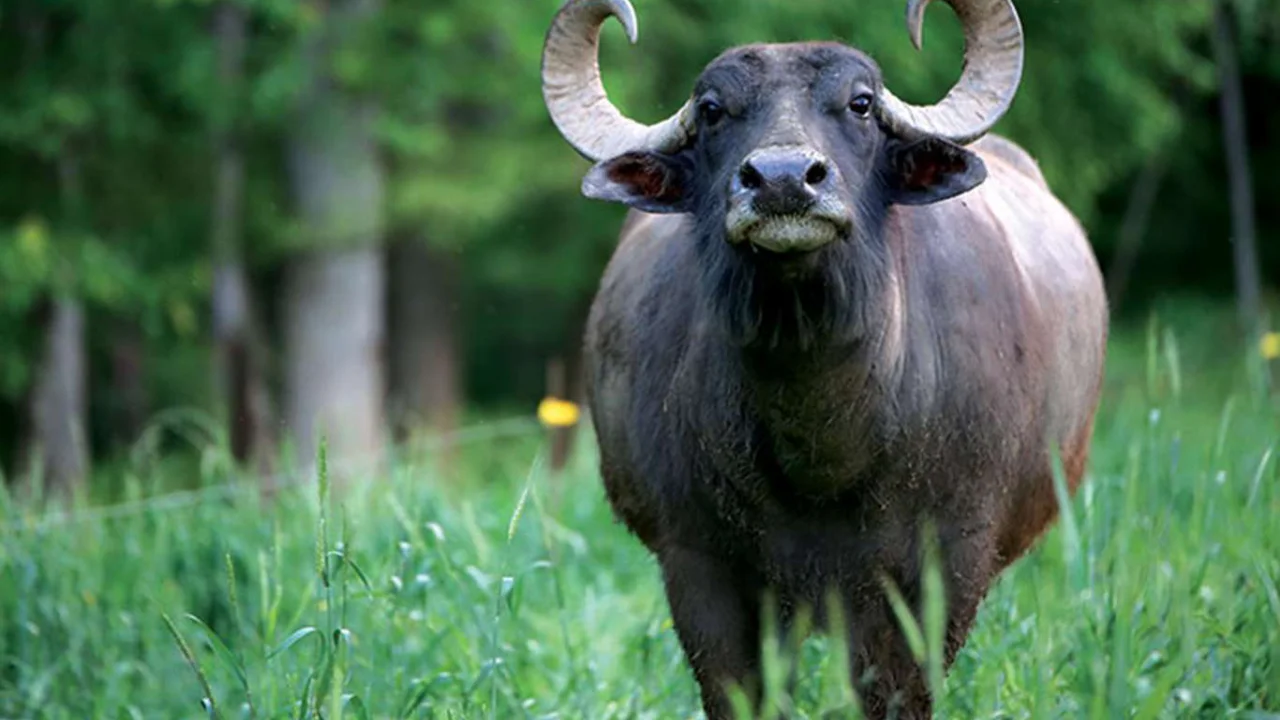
(238, 359)
(59, 448)
(424, 362)
(55, 448)
(1235, 142)
(334, 286)
(462, 148)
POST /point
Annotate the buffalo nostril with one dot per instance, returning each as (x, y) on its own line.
(816, 174)
(750, 177)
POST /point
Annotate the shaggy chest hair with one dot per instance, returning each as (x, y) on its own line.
(787, 384)
(789, 307)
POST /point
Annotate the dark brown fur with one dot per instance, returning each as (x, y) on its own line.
(789, 424)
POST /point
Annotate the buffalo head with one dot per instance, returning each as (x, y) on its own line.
(784, 148)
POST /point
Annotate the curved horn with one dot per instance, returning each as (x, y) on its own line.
(992, 70)
(575, 96)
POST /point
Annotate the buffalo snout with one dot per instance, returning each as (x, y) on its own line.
(786, 199)
(783, 181)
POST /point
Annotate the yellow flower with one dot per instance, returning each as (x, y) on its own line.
(554, 412)
(1270, 345)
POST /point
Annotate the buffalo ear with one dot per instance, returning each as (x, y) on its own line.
(930, 170)
(648, 181)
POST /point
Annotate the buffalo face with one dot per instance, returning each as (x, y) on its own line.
(787, 155)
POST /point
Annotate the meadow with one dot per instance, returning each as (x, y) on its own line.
(498, 590)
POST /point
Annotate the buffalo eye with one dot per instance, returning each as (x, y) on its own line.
(861, 105)
(711, 111)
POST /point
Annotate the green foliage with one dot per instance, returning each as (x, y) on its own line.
(99, 200)
(464, 118)
(479, 596)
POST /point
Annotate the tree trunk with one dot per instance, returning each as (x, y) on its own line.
(425, 374)
(334, 291)
(239, 377)
(1137, 217)
(565, 382)
(333, 336)
(58, 455)
(239, 373)
(58, 405)
(129, 401)
(1235, 141)
(54, 445)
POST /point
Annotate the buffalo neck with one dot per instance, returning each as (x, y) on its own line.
(811, 310)
(834, 336)
(804, 345)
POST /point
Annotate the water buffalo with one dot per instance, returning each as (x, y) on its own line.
(832, 317)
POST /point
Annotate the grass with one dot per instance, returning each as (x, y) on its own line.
(501, 592)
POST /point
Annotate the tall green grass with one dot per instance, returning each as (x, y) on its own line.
(498, 591)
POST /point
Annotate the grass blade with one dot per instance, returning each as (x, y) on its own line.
(292, 640)
(910, 628)
(209, 700)
(222, 652)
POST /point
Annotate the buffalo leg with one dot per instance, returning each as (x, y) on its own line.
(899, 688)
(717, 618)
(969, 578)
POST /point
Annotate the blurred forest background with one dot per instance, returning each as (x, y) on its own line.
(355, 217)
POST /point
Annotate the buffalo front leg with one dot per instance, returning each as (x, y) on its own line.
(899, 687)
(896, 686)
(716, 613)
